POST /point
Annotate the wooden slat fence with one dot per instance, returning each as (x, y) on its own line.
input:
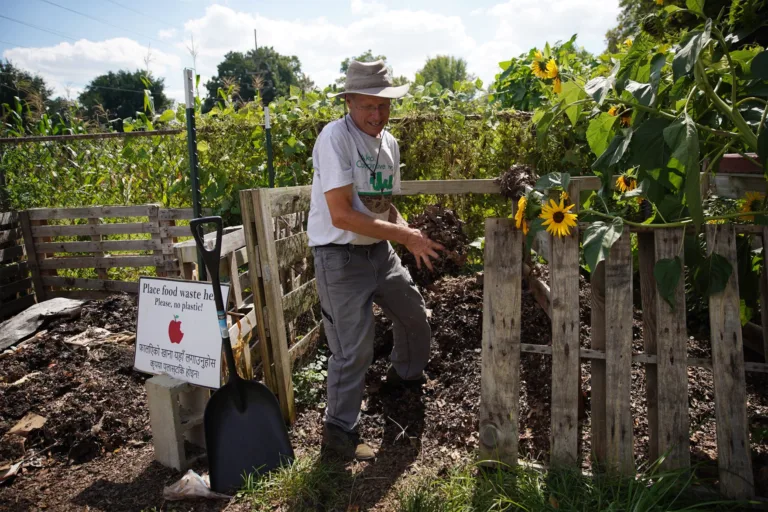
(665, 354)
(99, 238)
(16, 292)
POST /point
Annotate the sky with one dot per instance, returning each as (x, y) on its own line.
(70, 42)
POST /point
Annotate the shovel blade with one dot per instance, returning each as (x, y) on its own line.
(244, 433)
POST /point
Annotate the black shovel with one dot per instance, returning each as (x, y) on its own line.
(244, 428)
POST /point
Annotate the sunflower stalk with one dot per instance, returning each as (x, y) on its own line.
(686, 221)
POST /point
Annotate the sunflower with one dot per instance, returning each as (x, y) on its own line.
(614, 111)
(716, 221)
(557, 219)
(520, 221)
(626, 119)
(538, 66)
(753, 202)
(557, 85)
(626, 183)
(552, 71)
(628, 43)
(659, 2)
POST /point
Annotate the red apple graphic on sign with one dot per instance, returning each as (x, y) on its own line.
(174, 330)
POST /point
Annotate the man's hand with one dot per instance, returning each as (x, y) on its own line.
(422, 248)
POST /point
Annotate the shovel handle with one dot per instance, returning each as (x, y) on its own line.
(211, 259)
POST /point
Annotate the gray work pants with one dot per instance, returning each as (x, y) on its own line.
(349, 280)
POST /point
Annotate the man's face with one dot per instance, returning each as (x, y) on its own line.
(369, 113)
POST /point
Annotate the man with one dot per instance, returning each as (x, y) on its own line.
(351, 221)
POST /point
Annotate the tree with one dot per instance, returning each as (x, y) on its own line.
(265, 70)
(18, 83)
(121, 95)
(632, 13)
(445, 70)
(368, 56)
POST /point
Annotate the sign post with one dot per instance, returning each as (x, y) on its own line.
(177, 332)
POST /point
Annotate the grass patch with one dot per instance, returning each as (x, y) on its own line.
(528, 489)
(309, 484)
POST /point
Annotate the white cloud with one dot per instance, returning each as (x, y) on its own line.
(361, 7)
(167, 33)
(73, 65)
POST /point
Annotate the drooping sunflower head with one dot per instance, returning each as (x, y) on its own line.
(539, 67)
(557, 85)
(614, 111)
(520, 220)
(552, 69)
(753, 202)
(626, 119)
(625, 183)
(557, 218)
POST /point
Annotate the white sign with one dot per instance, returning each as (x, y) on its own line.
(178, 330)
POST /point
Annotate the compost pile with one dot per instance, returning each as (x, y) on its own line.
(513, 182)
(89, 396)
(443, 226)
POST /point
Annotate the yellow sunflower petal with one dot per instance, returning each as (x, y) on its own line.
(557, 85)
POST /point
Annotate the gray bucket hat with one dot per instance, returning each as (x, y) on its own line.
(371, 79)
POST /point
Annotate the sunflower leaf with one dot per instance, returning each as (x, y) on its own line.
(643, 93)
(667, 273)
(553, 180)
(682, 136)
(599, 132)
(599, 86)
(712, 275)
(762, 148)
(599, 237)
(690, 48)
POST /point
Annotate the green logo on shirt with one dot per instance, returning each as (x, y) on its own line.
(379, 185)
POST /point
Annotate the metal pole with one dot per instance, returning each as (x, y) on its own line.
(270, 167)
(189, 96)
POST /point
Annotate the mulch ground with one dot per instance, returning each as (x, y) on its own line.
(94, 451)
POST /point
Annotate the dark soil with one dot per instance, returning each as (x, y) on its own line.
(513, 182)
(441, 225)
(98, 453)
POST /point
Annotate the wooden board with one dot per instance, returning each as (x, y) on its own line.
(14, 271)
(8, 309)
(10, 254)
(500, 361)
(436, 187)
(8, 219)
(92, 284)
(176, 214)
(273, 297)
(127, 228)
(764, 294)
(100, 246)
(597, 342)
(11, 289)
(735, 186)
(566, 369)
(108, 262)
(287, 200)
(247, 206)
(672, 370)
(32, 256)
(87, 212)
(292, 249)
(300, 300)
(733, 451)
(175, 231)
(618, 357)
(10, 235)
(306, 343)
(647, 258)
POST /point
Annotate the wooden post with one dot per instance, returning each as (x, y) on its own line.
(566, 369)
(764, 295)
(733, 452)
(500, 370)
(672, 367)
(647, 255)
(598, 402)
(154, 218)
(618, 357)
(100, 272)
(32, 257)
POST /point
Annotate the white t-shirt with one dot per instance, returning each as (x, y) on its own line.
(337, 162)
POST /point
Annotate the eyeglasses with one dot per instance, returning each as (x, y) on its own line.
(370, 109)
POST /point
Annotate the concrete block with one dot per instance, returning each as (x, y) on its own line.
(176, 411)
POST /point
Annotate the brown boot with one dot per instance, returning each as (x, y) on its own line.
(343, 444)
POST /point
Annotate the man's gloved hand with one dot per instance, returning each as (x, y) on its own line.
(422, 248)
